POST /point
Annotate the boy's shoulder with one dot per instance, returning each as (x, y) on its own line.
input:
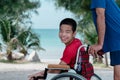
(75, 42)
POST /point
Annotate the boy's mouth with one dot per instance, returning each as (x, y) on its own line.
(63, 39)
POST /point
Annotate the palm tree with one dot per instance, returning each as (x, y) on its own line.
(6, 30)
(28, 39)
(13, 35)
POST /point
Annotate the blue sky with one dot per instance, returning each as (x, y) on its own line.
(49, 16)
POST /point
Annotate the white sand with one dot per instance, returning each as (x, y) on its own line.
(20, 71)
(20, 67)
(27, 65)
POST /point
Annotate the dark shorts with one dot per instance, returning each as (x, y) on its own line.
(115, 58)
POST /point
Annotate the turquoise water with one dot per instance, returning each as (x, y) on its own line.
(50, 41)
(48, 37)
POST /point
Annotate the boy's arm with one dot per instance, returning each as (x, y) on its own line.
(63, 63)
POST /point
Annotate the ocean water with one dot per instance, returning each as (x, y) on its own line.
(50, 41)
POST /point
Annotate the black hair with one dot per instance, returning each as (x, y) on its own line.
(71, 22)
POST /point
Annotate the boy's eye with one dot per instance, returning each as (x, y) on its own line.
(64, 31)
(67, 31)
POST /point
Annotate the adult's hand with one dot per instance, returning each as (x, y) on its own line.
(93, 49)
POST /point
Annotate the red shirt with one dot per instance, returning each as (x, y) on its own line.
(70, 51)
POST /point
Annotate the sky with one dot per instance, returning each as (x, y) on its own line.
(49, 17)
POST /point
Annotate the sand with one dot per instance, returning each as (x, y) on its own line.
(20, 71)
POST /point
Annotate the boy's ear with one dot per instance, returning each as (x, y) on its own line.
(74, 34)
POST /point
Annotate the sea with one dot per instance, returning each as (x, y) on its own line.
(49, 40)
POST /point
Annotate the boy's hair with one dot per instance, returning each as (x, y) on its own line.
(71, 22)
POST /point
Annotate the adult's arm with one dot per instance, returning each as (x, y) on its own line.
(101, 31)
(100, 25)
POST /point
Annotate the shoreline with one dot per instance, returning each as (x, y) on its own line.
(26, 66)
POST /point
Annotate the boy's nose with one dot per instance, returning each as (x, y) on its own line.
(63, 34)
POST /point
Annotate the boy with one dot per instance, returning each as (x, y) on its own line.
(67, 32)
(67, 35)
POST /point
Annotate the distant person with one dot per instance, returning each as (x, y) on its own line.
(67, 32)
(106, 15)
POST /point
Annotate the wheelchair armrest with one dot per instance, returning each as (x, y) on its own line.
(58, 66)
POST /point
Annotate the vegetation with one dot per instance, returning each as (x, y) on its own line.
(15, 26)
(14, 37)
(18, 9)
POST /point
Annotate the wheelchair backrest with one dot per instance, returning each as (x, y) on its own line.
(82, 65)
(82, 55)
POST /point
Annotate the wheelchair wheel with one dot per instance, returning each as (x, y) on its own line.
(95, 77)
(68, 76)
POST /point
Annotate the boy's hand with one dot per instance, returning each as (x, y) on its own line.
(31, 77)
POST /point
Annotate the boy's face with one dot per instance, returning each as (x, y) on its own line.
(66, 34)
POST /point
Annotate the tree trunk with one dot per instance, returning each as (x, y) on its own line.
(9, 57)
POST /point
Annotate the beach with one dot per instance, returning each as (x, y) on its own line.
(20, 71)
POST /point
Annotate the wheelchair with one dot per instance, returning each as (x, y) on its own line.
(65, 72)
